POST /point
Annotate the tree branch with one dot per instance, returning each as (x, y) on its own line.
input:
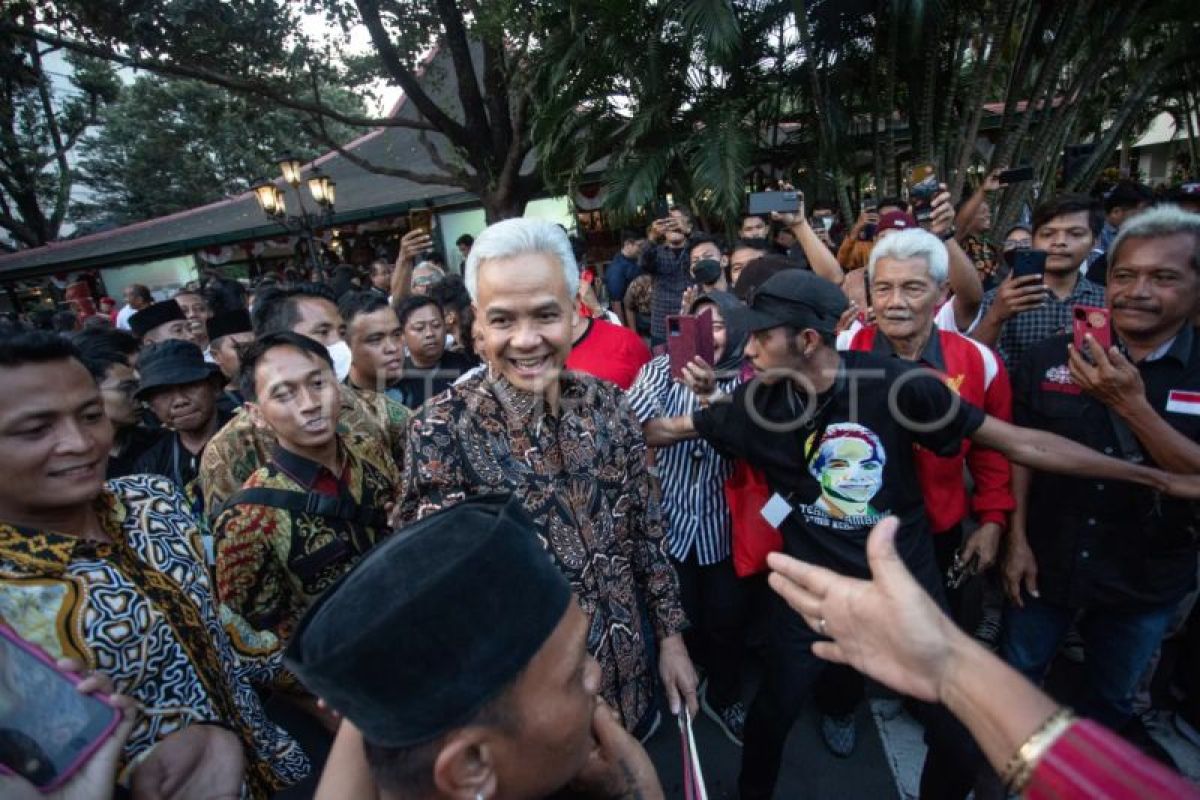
(173, 70)
(441, 121)
(63, 191)
(19, 230)
(496, 81)
(424, 178)
(464, 71)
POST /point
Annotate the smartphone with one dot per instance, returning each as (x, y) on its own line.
(785, 202)
(922, 186)
(662, 208)
(1016, 175)
(1026, 262)
(1093, 320)
(47, 729)
(421, 219)
(870, 205)
(688, 336)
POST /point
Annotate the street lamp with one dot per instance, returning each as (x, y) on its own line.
(289, 165)
(273, 202)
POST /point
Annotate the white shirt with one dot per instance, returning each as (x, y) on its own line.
(123, 317)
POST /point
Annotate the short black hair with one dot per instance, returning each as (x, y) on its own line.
(451, 293)
(224, 295)
(758, 271)
(256, 350)
(409, 770)
(763, 218)
(410, 305)
(24, 346)
(1062, 204)
(100, 348)
(898, 202)
(752, 244)
(353, 304)
(630, 235)
(1127, 194)
(142, 292)
(700, 239)
(684, 211)
(466, 239)
(275, 308)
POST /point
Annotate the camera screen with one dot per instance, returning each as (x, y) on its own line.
(45, 725)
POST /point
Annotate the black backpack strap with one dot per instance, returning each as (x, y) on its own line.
(339, 508)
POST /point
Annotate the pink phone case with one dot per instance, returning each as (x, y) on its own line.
(689, 336)
(84, 754)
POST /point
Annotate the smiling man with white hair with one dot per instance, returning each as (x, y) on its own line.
(569, 446)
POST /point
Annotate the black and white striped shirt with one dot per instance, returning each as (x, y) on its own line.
(692, 474)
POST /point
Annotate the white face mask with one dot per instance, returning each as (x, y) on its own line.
(339, 351)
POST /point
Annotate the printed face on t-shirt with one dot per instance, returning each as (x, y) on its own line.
(848, 464)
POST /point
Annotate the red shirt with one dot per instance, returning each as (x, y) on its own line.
(978, 376)
(610, 352)
(1089, 762)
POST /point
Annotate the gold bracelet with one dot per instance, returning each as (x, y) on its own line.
(1020, 767)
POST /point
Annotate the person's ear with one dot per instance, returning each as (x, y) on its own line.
(465, 767)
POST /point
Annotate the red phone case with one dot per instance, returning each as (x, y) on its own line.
(84, 754)
(689, 336)
(1093, 320)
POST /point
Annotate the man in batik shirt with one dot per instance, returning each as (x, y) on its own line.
(113, 575)
(241, 447)
(304, 518)
(571, 449)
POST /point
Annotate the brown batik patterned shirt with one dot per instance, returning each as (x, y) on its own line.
(582, 476)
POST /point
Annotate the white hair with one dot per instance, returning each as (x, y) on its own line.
(912, 243)
(514, 237)
(1157, 222)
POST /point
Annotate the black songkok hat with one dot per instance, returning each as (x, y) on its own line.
(236, 321)
(433, 623)
(154, 315)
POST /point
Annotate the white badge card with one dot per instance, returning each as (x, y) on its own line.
(776, 510)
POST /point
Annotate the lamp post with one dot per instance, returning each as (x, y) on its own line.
(273, 202)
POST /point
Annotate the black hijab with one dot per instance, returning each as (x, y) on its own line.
(735, 334)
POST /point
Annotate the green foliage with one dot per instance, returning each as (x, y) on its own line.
(166, 146)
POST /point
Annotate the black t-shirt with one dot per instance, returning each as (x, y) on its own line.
(852, 463)
(134, 443)
(418, 385)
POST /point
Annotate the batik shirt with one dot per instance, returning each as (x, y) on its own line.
(141, 610)
(238, 449)
(582, 476)
(273, 563)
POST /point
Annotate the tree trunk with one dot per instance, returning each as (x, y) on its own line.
(975, 92)
(873, 94)
(889, 103)
(1147, 77)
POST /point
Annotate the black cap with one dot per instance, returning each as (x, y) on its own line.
(434, 623)
(794, 297)
(173, 362)
(154, 315)
(236, 321)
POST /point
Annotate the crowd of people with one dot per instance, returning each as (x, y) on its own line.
(486, 533)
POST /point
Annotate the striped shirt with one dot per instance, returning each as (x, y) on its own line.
(692, 474)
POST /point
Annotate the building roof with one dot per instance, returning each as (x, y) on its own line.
(360, 195)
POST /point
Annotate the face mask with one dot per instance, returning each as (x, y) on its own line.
(706, 271)
(339, 351)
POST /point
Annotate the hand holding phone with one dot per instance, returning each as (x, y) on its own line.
(922, 188)
(1091, 320)
(1016, 175)
(1024, 263)
(689, 336)
(783, 202)
(48, 728)
(420, 219)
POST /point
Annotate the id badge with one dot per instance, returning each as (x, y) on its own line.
(776, 510)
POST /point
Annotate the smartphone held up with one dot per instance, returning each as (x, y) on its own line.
(689, 336)
(922, 188)
(48, 729)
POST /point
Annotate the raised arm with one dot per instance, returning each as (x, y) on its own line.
(1049, 452)
(412, 244)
